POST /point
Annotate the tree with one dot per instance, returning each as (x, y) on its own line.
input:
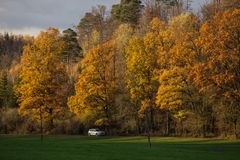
(72, 50)
(219, 70)
(139, 80)
(122, 103)
(183, 32)
(95, 88)
(11, 48)
(230, 4)
(7, 94)
(183, 55)
(41, 91)
(95, 27)
(142, 70)
(209, 10)
(174, 94)
(4, 93)
(128, 11)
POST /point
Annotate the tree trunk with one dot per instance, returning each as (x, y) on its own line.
(149, 139)
(167, 127)
(213, 126)
(51, 124)
(235, 128)
(152, 126)
(149, 130)
(138, 126)
(41, 125)
(181, 123)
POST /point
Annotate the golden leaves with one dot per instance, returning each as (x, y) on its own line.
(220, 41)
(42, 75)
(96, 82)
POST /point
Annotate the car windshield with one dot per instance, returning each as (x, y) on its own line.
(94, 130)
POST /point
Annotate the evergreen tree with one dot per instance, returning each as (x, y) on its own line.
(3, 90)
(7, 93)
(72, 51)
(128, 11)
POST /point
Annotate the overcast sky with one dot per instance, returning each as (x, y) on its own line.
(31, 16)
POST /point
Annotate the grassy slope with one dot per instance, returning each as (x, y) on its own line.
(116, 148)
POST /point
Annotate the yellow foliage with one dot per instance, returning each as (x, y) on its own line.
(43, 77)
(173, 93)
(96, 83)
(220, 45)
(102, 122)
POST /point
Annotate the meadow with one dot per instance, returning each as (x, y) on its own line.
(116, 148)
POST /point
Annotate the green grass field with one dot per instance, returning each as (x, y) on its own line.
(116, 148)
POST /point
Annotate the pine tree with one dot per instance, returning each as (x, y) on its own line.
(128, 11)
(72, 51)
(4, 91)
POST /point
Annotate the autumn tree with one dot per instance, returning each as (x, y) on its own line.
(219, 71)
(41, 92)
(183, 54)
(126, 112)
(142, 70)
(174, 94)
(139, 80)
(209, 10)
(95, 87)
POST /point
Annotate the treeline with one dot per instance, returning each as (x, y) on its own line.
(149, 67)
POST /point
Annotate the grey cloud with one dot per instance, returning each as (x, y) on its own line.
(22, 14)
(44, 13)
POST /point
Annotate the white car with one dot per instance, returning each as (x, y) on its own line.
(95, 132)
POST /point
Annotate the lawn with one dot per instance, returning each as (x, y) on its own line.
(116, 148)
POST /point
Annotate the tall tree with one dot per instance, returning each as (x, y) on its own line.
(4, 93)
(72, 51)
(7, 93)
(128, 11)
(96, 86)
(174, 94)
(41, 92)
(142, 70)
(219, 70)
(126, 111)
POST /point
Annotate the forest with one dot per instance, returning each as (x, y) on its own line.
(145, 67)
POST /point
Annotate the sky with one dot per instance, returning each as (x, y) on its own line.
(32, 16)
